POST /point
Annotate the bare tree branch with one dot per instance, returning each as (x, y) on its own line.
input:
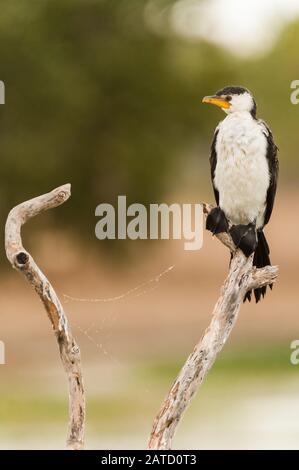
(241, 278)
(21, 260)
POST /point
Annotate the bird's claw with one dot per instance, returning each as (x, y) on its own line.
(217, 221)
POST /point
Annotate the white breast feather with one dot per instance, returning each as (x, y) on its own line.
(242, 172)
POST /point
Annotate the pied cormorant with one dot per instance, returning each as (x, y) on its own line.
(244, 171)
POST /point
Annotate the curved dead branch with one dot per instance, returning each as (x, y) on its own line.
(21, 260)
(241, 278)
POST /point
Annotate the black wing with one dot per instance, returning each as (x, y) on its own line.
(273, 164)
(213, 163)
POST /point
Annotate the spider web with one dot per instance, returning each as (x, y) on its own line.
(94, 331)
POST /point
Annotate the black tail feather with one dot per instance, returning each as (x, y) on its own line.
(260, 259)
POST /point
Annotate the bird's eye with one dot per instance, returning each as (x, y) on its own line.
(228, 98)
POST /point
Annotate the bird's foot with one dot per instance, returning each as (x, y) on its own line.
(217, 221)
(244, 237)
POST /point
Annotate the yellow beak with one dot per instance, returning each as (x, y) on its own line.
(217, 101)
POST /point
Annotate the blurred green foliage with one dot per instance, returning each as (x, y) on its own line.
(96, 98)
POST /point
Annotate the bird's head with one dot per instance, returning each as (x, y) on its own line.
(233, 99)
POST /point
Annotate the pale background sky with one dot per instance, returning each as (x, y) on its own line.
(244, 27)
